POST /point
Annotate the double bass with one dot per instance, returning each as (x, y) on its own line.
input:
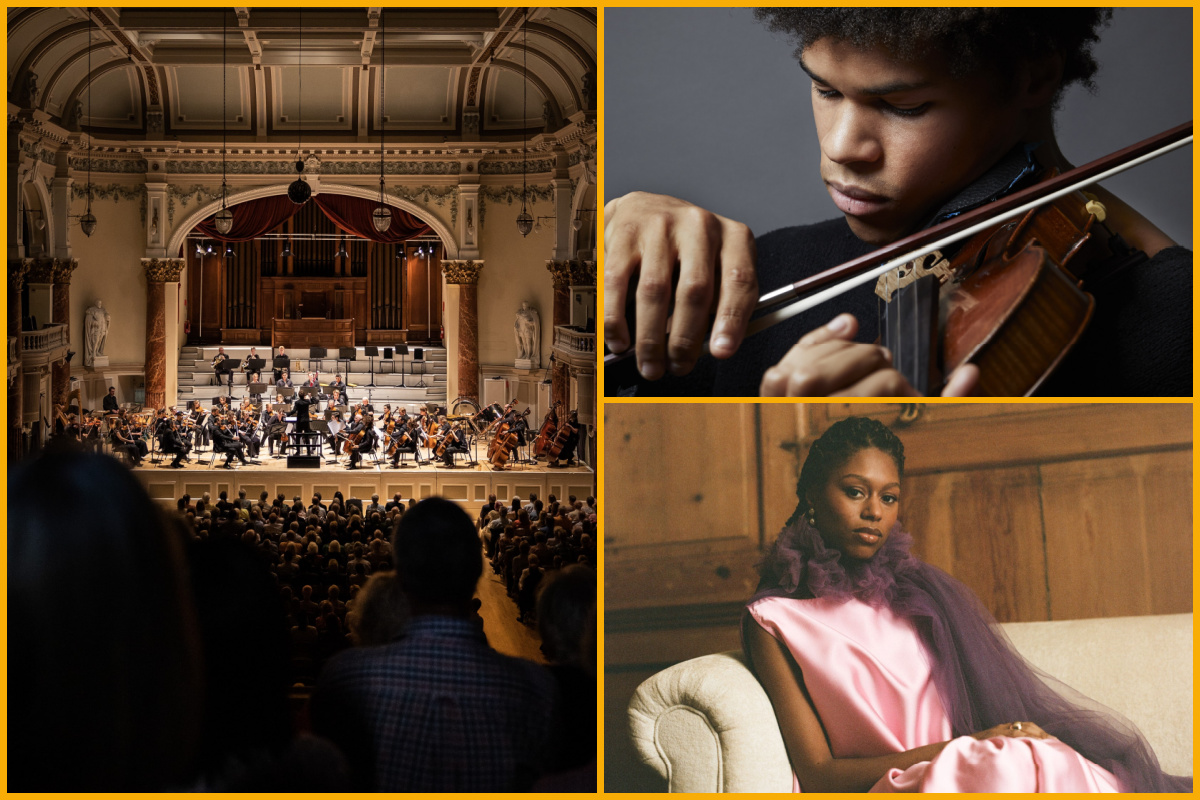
(560, 440)
(545, 436)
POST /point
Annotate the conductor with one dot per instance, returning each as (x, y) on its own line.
(300, 412)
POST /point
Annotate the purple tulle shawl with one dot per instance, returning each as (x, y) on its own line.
(980, 678)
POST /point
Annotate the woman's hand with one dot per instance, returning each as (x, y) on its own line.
(827, 362)
(652, 236)
(1013, 730)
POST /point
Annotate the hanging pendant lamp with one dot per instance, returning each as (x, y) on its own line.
(87, 223)
(298, 190)
(223, 221)
(381, 217)
(524, 219)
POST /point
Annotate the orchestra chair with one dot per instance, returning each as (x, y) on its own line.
(385, 360)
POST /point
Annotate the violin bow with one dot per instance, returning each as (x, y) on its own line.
(866, 268)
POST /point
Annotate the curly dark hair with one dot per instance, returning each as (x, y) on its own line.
(974, 40)
(836, 445)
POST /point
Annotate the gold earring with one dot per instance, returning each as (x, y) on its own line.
(811, 516)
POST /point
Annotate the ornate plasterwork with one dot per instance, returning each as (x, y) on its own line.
(560, 272)
(113, 191)
(80, 164)
(511, 195)
(288, 167)
(462, 273)
(515, 167)
(163, 270)
(571, 273)
(62, 269)
(18, 269)
(426, 195)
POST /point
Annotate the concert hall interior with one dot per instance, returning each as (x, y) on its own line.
(282, 282)
(441, 254)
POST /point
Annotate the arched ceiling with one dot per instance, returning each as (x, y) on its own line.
(451, 73)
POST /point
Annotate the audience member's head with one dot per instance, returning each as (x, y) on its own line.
(566, 601)
(111, 706)
(379, 611)
(437, 555)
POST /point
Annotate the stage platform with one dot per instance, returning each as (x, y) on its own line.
(467, 485)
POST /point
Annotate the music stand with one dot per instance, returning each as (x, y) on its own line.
(402, 351)
(279, 364)
(372, 352)
(310, 391)
(334, 426)
(419, 356)
(347, 354)
(257, 388)
(256, 365)
(286, 392)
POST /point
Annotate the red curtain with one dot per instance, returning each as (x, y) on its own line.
(353, 215)
(252, 219)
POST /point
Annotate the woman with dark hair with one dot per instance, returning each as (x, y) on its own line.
(887, 674)
(110, 703)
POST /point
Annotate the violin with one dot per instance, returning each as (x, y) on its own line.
(1001, 286)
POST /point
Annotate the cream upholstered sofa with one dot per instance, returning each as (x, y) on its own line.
(706, 725)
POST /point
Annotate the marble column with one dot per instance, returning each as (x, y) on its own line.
(560, 377)
(465, 275)
(17, 269)
(159, 272)
(60, 375)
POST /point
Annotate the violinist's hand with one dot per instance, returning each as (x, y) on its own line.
(1013, 730)
(650, 234)
(827, 362)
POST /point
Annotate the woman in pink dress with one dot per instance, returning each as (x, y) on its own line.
(886, 674)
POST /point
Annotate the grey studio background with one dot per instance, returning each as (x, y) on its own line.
(708, 105)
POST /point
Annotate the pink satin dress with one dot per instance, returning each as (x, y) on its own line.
(869, 678)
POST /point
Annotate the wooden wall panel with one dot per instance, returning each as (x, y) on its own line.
(1118, 535)
(680, 473)
(984, 528)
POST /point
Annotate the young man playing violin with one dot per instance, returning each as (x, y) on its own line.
(921, 114)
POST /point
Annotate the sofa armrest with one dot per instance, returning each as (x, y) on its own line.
(706, 725)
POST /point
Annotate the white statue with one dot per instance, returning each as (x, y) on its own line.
(95, 333)
(528, 330)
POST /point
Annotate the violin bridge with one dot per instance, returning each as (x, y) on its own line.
(893, 280)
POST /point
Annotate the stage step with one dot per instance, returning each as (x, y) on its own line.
(195, 375)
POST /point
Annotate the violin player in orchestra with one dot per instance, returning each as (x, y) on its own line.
(921, 115)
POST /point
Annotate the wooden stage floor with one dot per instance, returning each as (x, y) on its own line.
(467, 485)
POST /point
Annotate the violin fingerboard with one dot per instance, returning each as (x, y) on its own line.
(909, 326)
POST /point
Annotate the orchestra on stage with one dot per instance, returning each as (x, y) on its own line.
(318, 419)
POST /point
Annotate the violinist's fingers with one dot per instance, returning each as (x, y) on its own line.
(843, 326)
(882, 383)
(696, 239)
(653, 297)
(620, 263)
(739, 289)
(823, 369)
(962, 381)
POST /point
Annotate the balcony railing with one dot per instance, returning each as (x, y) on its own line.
(43, 341)
(574, 341)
